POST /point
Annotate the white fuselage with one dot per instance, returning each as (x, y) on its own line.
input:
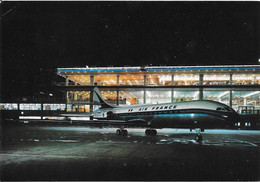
(208, 105)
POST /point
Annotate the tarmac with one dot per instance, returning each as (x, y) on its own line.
(45, 153)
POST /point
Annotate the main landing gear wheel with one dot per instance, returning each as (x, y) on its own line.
(121, 132)
(150, 132)
(198, 137)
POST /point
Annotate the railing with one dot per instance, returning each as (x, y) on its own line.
(133, 83)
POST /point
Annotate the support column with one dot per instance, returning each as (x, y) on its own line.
(145, 80)
(117, 97)
(67, 93)
(117, 79)
(18, 107)
(244, 101)
(66, 81)
(91, 80)
(201, 79)
(42, 109)
(91, 106)
(172, 95)
(230, 79)
(200, 93)
(144, 96)
(172, 80)
(230, 98)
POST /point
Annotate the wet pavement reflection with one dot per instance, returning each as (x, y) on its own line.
(81, 153)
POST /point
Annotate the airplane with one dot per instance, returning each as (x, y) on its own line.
(198, 114)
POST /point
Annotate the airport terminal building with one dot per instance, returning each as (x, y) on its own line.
(235, 85)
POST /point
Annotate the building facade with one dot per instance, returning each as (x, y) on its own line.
(235, 85)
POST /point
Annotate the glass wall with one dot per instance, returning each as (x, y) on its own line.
(79, 79)
(245, 98)
(132, 80)
(78, 96)
(217, 95)
(243, 79)
(105, 80)
(158, 96)
(69, 108)
(216, 79)
(78, 108)
(30, 106)
(257, 78)
(109, 96)
(8, 106)
(185, 95)
(131, 97)
(158, 79)
(186, 79)
(54, 107)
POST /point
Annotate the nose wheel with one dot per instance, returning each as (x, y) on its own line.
(150, 132)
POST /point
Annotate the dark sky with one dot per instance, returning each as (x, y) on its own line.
(39, 36)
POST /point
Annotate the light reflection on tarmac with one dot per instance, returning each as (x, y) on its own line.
(52, 148)
(170, 135)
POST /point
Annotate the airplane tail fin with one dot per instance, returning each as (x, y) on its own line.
(98, 99)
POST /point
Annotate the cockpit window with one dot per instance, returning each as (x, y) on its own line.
(221, 109)
(228, 108)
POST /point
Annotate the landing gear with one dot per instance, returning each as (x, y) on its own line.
(150, 132)
(121, 132)
(198, 137)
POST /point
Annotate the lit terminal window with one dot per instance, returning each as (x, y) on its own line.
(245, 98)
(156, 97)
(179, 96)
(244, 79)
(30, 106)
(132, 80)
(109, 96)
(78, 80)
(257, 79)
(158, 79)
(8, 106)
(131, 97)
(186, 79)
(105, 80)
(78, 96)
(216, 79)
(83, 108)
(219, 96)
(54, 107)
(78, 108)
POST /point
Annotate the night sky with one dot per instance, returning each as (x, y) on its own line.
(37, 37)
